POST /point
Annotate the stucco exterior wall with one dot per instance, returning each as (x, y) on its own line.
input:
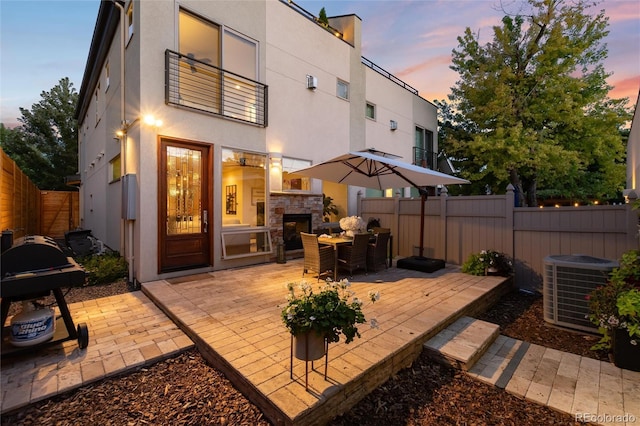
(314, 125)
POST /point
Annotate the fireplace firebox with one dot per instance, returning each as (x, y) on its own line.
(292, 225)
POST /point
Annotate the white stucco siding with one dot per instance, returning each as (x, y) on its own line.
(305, 123)
(392, 102)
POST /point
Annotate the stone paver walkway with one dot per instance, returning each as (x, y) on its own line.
(589, 390)
(125, 332)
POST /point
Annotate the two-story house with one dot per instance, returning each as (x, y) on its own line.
(194, 115)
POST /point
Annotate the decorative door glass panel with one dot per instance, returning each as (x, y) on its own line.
(184, 173)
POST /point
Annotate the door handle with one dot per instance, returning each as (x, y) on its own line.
(205, 220)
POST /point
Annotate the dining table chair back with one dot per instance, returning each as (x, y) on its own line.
(353, 257)
(317, 258)
(377, 251)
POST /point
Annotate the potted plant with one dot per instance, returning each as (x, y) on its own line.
(328, 208)
(615, 309)
(315, 316)
(488, 262)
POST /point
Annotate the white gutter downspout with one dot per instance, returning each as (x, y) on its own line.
(126, 232)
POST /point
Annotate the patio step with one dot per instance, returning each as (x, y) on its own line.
(462, 343)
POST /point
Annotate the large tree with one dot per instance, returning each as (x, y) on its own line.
(45, 145)
(531, 106)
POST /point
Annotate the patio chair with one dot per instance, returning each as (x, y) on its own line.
(317, 258)
(377, 251)
(353, 257)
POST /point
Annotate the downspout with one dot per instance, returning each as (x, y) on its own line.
(126, 233)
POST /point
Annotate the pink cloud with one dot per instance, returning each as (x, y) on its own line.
(626, 88)
(433, 62)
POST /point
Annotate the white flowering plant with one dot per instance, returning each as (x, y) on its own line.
(488, 261)
(330, 310)
(353, 223)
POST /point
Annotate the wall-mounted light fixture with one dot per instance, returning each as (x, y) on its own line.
(393, 125)
(275, 160)
(148, 119)
(312, 82)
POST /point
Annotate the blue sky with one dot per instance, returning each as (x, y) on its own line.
(44, 41)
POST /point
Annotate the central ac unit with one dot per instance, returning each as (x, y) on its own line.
(568, 280)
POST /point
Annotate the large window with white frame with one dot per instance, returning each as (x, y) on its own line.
(243, 207)
(227, 89)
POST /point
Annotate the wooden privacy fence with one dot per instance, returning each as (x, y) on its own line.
(455, 227)
(26, 210)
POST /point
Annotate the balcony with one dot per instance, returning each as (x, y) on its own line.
(425, 158)
(196, 85)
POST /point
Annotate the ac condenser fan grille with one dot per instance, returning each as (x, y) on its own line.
(567, 285)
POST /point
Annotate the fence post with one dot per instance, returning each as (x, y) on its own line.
(444, 194)
(509, 212)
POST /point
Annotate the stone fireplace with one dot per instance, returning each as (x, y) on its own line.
(302, 212)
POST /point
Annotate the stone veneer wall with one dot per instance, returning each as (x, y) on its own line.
(281, 203)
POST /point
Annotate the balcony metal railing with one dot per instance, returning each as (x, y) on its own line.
(390, 76)
(194, 84)
(425, 158)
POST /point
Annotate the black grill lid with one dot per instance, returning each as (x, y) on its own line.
(32, 253)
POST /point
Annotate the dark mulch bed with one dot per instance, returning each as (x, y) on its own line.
(186, 390)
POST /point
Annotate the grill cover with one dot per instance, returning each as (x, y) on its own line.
(32, 253)
(36, 264)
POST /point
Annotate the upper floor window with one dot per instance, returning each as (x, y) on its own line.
(130, 21)
(424, 154)
(218, 70)
(106, 76)
(114, 169)
(370, 111)
(96, 99)
(342, 89)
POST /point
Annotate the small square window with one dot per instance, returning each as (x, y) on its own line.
(370, 111)
(342, 89)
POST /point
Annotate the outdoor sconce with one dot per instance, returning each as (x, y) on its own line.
(152, 121)
(393, 125)
(275, 160)
(312, 82)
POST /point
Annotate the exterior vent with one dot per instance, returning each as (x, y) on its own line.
(312, 82)
(566, 283)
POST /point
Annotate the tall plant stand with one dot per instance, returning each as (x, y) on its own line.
(306, 361)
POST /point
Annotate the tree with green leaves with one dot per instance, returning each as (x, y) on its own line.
(45, 145)
(531, 106)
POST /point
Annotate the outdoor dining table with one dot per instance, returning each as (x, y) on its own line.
(335, 242)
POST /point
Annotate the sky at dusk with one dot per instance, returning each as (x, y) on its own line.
(44, 41)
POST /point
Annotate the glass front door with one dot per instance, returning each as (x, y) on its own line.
(185, 208)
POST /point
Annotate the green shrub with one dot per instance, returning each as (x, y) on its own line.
(488, 262)
(104, 269)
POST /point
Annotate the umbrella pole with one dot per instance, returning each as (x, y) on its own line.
(423, 198)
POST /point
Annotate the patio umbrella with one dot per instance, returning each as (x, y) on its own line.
(379, 170)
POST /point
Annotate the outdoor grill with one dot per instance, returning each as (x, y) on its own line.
(32, 268)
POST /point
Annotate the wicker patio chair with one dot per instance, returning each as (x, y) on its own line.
(377, 251)
(317, 258)
(354, 257)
